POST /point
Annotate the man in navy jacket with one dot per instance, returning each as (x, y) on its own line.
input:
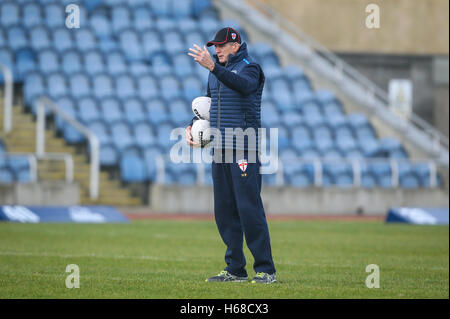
(235, 85)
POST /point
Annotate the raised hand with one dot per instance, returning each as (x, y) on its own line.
(202, 57)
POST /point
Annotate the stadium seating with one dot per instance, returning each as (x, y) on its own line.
(126, 75)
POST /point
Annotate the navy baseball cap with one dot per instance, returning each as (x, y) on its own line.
(225, 35)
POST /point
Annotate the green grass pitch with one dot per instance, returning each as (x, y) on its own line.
(171, 259)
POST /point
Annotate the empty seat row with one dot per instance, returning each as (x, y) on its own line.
(123, 88)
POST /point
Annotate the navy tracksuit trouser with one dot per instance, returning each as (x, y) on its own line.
(239, 212)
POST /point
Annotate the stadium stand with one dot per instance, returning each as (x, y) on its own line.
(125, 75)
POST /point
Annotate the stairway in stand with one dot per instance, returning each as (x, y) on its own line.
(22, 139)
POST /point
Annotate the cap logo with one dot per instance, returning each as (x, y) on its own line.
(233, 36)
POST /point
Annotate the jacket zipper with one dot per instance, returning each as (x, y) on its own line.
(218, 102)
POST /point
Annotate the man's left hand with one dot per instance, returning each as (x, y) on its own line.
(202, 57)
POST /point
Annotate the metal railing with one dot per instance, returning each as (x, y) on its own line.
(351, 81)
(8, 97)
(33, 163)
(356, 168)
(318, 169)
(94, 144)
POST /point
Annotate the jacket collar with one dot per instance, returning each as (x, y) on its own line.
(240, 55)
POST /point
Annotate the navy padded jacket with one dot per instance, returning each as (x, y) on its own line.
(235, 90)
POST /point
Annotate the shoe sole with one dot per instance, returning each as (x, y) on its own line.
(238, 280)
(265, 283)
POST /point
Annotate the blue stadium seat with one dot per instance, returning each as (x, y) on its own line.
(301, 138)
(150, 155)
(130, 45)
(71, 135)
(17, 38)
(87, 110)
(85, 40)
(23, 175)
(160, 8)
(18, 162)
(194, 37)
(323, 144)
(139, 68)
(292, 118)
(283, 100)
(56, 85)
(269, 114)
(294, 72)
(192, 87)
(157, 111)
(102, 86)
(54, 16)
(147, 87)
(163, 131)
(365, 132)
(107, 45)
(170, 88)
(200, 6)
(382, 172)
(288, 156)
(121, 135)
(368, 146)
(133, 111)
(6, 175)
(161, 64)
(209, 26)
(310, 153)
(116, 63)
(284, 137)
(389, 146)
(330, 152)
(40, 38)
(109, 155)
(100, 25)
(62, 40)
(182, 65)
(48, 62)
(133, 150)
(142, 19)
(10, 14)
(143, 134)
(173, 43)
(340, 172)
(151, 42)
(125, 87)
(182, 9)
(71, 63)
(110, 110)
(354, 153)
(188, 25)
(100, 129)
(93, 63)
(180, 113)
(165, 24)
(132, 169)
(68, 105)
(25, 63)
(34, 86)
(346, 143)
(120, 18)
(80, 85)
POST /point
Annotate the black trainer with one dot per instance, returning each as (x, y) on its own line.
(225, 276)
(264, 278)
